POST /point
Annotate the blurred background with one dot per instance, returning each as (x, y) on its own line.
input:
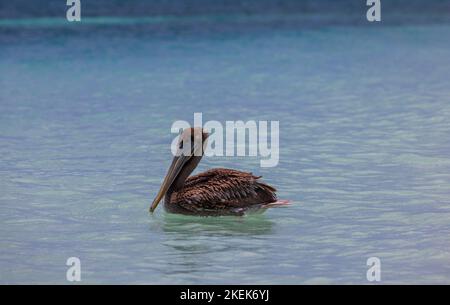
(437, 9)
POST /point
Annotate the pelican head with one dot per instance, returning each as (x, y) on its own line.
(190, 149)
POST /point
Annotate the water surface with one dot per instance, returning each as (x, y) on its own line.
(364, 152)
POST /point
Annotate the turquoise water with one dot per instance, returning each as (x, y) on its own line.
(364, 152)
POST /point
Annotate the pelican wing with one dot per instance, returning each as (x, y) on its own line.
(223, 189)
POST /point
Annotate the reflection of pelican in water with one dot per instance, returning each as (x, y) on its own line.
(226, 226)
(197, 245)
(215, 192)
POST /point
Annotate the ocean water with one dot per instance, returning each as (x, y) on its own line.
(85, 121)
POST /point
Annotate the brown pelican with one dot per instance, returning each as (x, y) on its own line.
(216, 192)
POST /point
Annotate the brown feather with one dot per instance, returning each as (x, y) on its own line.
(220, 191)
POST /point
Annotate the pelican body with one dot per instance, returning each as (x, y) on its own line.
(215, 192)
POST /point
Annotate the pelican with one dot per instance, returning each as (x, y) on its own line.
(216, 192)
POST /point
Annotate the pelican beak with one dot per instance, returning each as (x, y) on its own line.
(174, 169)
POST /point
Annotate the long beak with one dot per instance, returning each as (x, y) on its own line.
(174, 169)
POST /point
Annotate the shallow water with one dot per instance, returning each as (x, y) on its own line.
(364, 153)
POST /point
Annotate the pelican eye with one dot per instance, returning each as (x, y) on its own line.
(181, 145)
